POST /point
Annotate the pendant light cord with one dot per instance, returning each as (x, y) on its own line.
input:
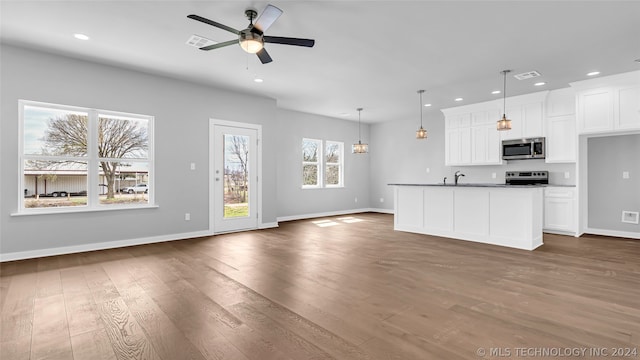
(420, 92)
(359, 135)
(504, 93)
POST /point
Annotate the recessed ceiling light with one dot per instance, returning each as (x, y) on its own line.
(593, 73)
(458, 99)
(427, 105)
(540, 83)
(258, 80)
(494, 92)
(81, 36)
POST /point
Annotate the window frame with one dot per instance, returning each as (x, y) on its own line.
(340, 164)
(91, 158)
(317, 163)
(322, 164)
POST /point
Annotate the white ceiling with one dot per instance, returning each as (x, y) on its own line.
(370, 54)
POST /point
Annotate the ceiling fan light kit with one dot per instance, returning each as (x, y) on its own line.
(251, 42)
(252, 38)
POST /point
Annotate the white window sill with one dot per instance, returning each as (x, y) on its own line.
(70, 210)
(322, 188)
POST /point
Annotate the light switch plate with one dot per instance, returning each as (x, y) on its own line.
(625, 174)
(193, 166)
(567, 175)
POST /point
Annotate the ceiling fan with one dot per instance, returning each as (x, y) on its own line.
(252, 38)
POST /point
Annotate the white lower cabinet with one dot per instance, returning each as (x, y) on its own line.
(501, 215)
(560, 210)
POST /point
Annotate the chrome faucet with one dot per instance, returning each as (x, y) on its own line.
(457, 175)
(444, 181)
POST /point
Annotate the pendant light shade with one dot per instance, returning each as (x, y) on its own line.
(504, 123)
(359, 148)
(421, 133)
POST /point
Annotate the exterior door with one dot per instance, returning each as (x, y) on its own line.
(234, 175)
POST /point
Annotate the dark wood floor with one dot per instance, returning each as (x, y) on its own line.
(343, 287)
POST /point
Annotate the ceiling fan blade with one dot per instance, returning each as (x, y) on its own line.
(267, 18)
(264, 57)
(289, 41)
(219, 45)
(213, 23)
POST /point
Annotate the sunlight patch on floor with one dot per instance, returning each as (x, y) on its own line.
(337, 221)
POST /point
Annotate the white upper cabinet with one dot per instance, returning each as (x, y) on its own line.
(471, 136)
(608, 104)
(561, 126)
(561, 102)
(527, 116)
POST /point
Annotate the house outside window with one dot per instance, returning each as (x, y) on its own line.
(83, 159)
(322, 164)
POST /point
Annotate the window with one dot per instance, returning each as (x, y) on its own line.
(83, 158)
(322, 166)
(333, 164)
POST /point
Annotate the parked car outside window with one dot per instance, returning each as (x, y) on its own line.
(138, 188)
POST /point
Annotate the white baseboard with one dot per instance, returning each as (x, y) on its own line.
(332, 213)
(382, 211)
(31, 254)
(268, 225)
(615, 233)
(21, 255)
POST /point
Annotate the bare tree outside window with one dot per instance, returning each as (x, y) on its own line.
(117, 139)
(310, 159)
(236, 166)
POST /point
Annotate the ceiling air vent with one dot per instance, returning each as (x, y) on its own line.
(527, 75)
(199, 41)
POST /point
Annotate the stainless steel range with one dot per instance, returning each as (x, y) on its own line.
(526, 177)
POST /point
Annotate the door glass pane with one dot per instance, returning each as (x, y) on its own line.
(236, 176)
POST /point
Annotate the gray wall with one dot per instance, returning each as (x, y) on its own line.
(608, 193)
(293, 201)
(398, 157)
(182, 111)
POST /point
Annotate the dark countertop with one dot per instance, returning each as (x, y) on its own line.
(492, 185)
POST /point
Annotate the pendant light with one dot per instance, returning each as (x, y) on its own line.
(504, 123)
(359, 148)
(421, 133)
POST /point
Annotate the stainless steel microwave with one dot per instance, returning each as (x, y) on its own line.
(521, 149)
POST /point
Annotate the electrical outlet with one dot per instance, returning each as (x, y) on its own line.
(625, 174)
(356, 199)
(187, 217)
(631, 217)
(493, 175)
(567, 175)
(428, 170)
(381, 200)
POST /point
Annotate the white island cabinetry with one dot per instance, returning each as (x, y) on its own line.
(501, 215)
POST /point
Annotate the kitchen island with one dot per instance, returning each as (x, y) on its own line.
(506, 215)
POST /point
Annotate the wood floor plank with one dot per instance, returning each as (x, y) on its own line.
(354, 290)
(127, 338)
(50, 338)
(282, 338)
(94, 345)
(20, 295)
(19, 349)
